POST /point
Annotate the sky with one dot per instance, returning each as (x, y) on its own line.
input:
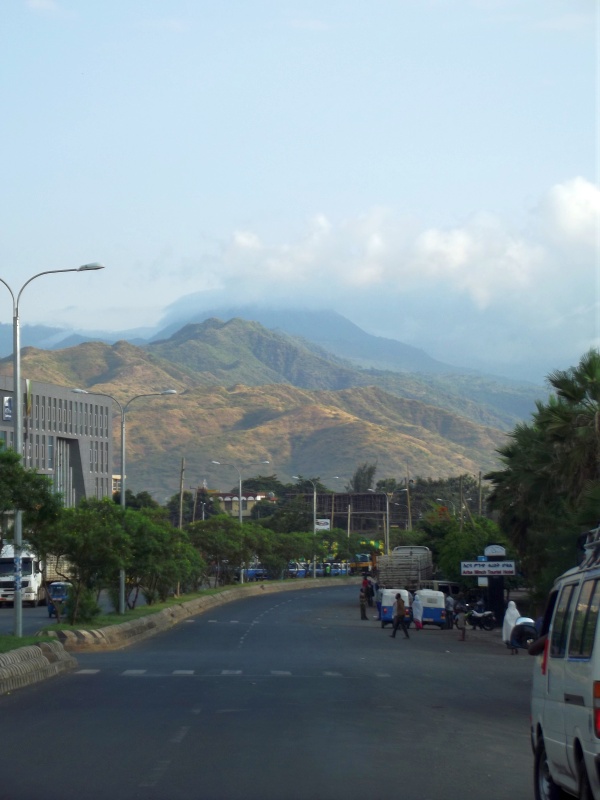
(426, 168)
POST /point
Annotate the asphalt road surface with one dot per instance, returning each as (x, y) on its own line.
(278, 697)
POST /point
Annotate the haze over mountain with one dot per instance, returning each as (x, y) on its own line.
(247, 394)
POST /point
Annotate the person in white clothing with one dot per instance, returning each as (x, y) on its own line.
(510, 618)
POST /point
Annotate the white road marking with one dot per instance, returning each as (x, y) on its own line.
(134, 672)
(87, 671)
(183, 672)
(155, 774)
(333, 674)
(231, 672)
(180, 735)
(280, 672)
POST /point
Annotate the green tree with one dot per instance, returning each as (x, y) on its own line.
(295, 515)
(547, 493)
(264, 484)
(93, 540)
(362, 479)
(161, 558)
(27, 490)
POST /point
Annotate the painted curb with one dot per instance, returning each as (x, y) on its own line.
(27, 665)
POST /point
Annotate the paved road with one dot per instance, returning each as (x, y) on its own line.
(278, 697)
(33, 619)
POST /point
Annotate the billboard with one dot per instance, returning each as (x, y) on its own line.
(322, 525)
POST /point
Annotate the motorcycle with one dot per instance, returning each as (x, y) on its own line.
(484, 620)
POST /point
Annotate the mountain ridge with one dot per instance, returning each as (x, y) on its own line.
(326, 427)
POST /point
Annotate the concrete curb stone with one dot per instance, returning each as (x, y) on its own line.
(27, 665)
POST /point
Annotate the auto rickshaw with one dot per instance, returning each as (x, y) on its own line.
(59, 592)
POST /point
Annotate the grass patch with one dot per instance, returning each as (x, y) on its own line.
(10, 642)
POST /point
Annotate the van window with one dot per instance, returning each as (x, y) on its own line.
(584, 621)
(560, 626)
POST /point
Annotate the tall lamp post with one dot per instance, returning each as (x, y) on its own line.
(123, 409)
(298, 478)
(223, 464)
(386, 526)
(17, 414)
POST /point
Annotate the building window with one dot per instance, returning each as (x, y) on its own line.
(51, 452)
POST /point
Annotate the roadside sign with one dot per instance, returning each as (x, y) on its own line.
(480, 568)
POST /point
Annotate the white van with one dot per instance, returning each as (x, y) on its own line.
(565, 703)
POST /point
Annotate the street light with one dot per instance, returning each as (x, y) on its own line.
(123, 409)
(223, 464)
(386, 526)
(298, 478)
(17, 412)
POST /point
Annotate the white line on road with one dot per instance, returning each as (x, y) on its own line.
(155, 774)
(133, 672)
(180, 735)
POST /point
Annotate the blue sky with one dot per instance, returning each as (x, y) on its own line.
(428, 168)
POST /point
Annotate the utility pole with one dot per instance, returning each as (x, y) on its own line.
(181, 494)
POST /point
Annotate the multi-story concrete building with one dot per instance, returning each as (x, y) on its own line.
(67, 436)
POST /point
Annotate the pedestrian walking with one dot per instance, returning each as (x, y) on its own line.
(363, 604)
(417, 611)
(510, 618)
(449, 605)
(399, 611)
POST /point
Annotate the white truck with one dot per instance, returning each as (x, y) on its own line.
(408, 567)
(35, 575)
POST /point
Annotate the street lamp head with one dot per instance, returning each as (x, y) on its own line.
(215, 462)
(89, 267)
(80, 391)
(169, 391)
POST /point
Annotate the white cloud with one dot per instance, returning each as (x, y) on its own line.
(508, 294)
(43, 5)
(571, 211)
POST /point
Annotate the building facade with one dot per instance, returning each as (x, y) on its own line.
(67, 436)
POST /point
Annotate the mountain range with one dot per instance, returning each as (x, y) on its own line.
(248, 393)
